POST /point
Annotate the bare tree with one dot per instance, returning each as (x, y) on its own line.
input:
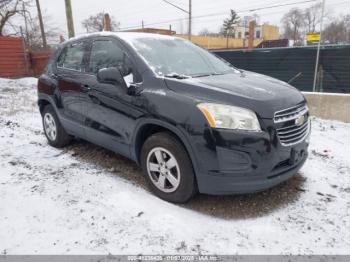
(95, 23)
(8, 9)
(292, 25)
(312, 16)
(52, 33)
(207, 32)
(204, 32)
(228, 27)
(338, 31)
(31, 31)
(347, 24)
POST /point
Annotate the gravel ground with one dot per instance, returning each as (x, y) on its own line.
(86, 200)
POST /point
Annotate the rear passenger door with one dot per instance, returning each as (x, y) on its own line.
(110, 111)
(72, 82)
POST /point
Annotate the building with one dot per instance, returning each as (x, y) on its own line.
(240, 38)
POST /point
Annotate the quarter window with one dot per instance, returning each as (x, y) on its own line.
(72, 57)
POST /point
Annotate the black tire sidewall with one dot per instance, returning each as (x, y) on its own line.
(187, 187)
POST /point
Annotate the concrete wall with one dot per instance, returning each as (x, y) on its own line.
(329, 105)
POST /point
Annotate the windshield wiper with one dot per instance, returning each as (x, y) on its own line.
(177, 76)
(211, 74)
(202, 75)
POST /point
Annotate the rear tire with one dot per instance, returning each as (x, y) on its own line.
(168, 168)
(54, 131)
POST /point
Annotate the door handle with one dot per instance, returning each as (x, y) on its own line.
(85, 88)
(54, 76)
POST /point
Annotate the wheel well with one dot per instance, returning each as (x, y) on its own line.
(148, 130)
(42, 104)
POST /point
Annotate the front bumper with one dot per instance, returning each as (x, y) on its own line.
(224, 183)
(233, 162)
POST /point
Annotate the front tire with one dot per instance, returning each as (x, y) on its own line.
(168, 168)
(54, 131)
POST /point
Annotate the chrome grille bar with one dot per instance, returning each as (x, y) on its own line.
(295, 132)
(290, 113)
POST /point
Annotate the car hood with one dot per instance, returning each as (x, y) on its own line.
(263, 94)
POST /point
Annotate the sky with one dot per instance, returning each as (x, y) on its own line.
(130, 13)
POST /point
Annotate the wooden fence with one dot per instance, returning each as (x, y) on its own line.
(13, 58)
(38, 62)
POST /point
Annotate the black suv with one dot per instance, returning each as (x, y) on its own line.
(192, 121)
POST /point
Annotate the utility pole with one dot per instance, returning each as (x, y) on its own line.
(252, 25)
(43, 36)
(107, 23)
(69, 15)
(190, 20)
(189, 12)
(319, 47)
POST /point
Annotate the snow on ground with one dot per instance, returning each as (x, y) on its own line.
(87, 200)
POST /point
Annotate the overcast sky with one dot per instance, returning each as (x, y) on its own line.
(130, 13)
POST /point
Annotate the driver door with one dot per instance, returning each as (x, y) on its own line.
(109, 110)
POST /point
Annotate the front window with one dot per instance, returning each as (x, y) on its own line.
(105, 54)
(169, 57)
(72, 57)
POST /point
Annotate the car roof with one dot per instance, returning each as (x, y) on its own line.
(126, 36)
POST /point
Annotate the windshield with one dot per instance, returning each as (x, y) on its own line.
(171, 57)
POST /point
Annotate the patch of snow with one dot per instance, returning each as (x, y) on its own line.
(126, 36)
(87, 200)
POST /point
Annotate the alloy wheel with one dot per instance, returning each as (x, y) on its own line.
(163, 169)
(50, 126)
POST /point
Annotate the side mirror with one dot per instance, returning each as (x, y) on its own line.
(110, 76)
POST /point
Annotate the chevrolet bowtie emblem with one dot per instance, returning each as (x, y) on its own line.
(300, 120)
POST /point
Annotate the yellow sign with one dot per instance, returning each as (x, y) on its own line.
(313, 37)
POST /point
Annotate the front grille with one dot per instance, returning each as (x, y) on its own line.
(290, 113)
(295, 124)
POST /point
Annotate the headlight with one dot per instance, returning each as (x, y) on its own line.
(229, 117)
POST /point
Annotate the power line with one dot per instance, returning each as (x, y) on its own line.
(189, 12)
(178, 7)
(221, 13)
(140, 12)
(274, 6)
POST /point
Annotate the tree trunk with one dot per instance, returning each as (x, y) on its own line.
(2, 23)
(41, 24)
(1, 28)
(227, 40)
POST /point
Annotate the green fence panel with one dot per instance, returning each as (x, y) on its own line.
(298, 63)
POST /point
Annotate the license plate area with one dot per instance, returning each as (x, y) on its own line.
(296, 156)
